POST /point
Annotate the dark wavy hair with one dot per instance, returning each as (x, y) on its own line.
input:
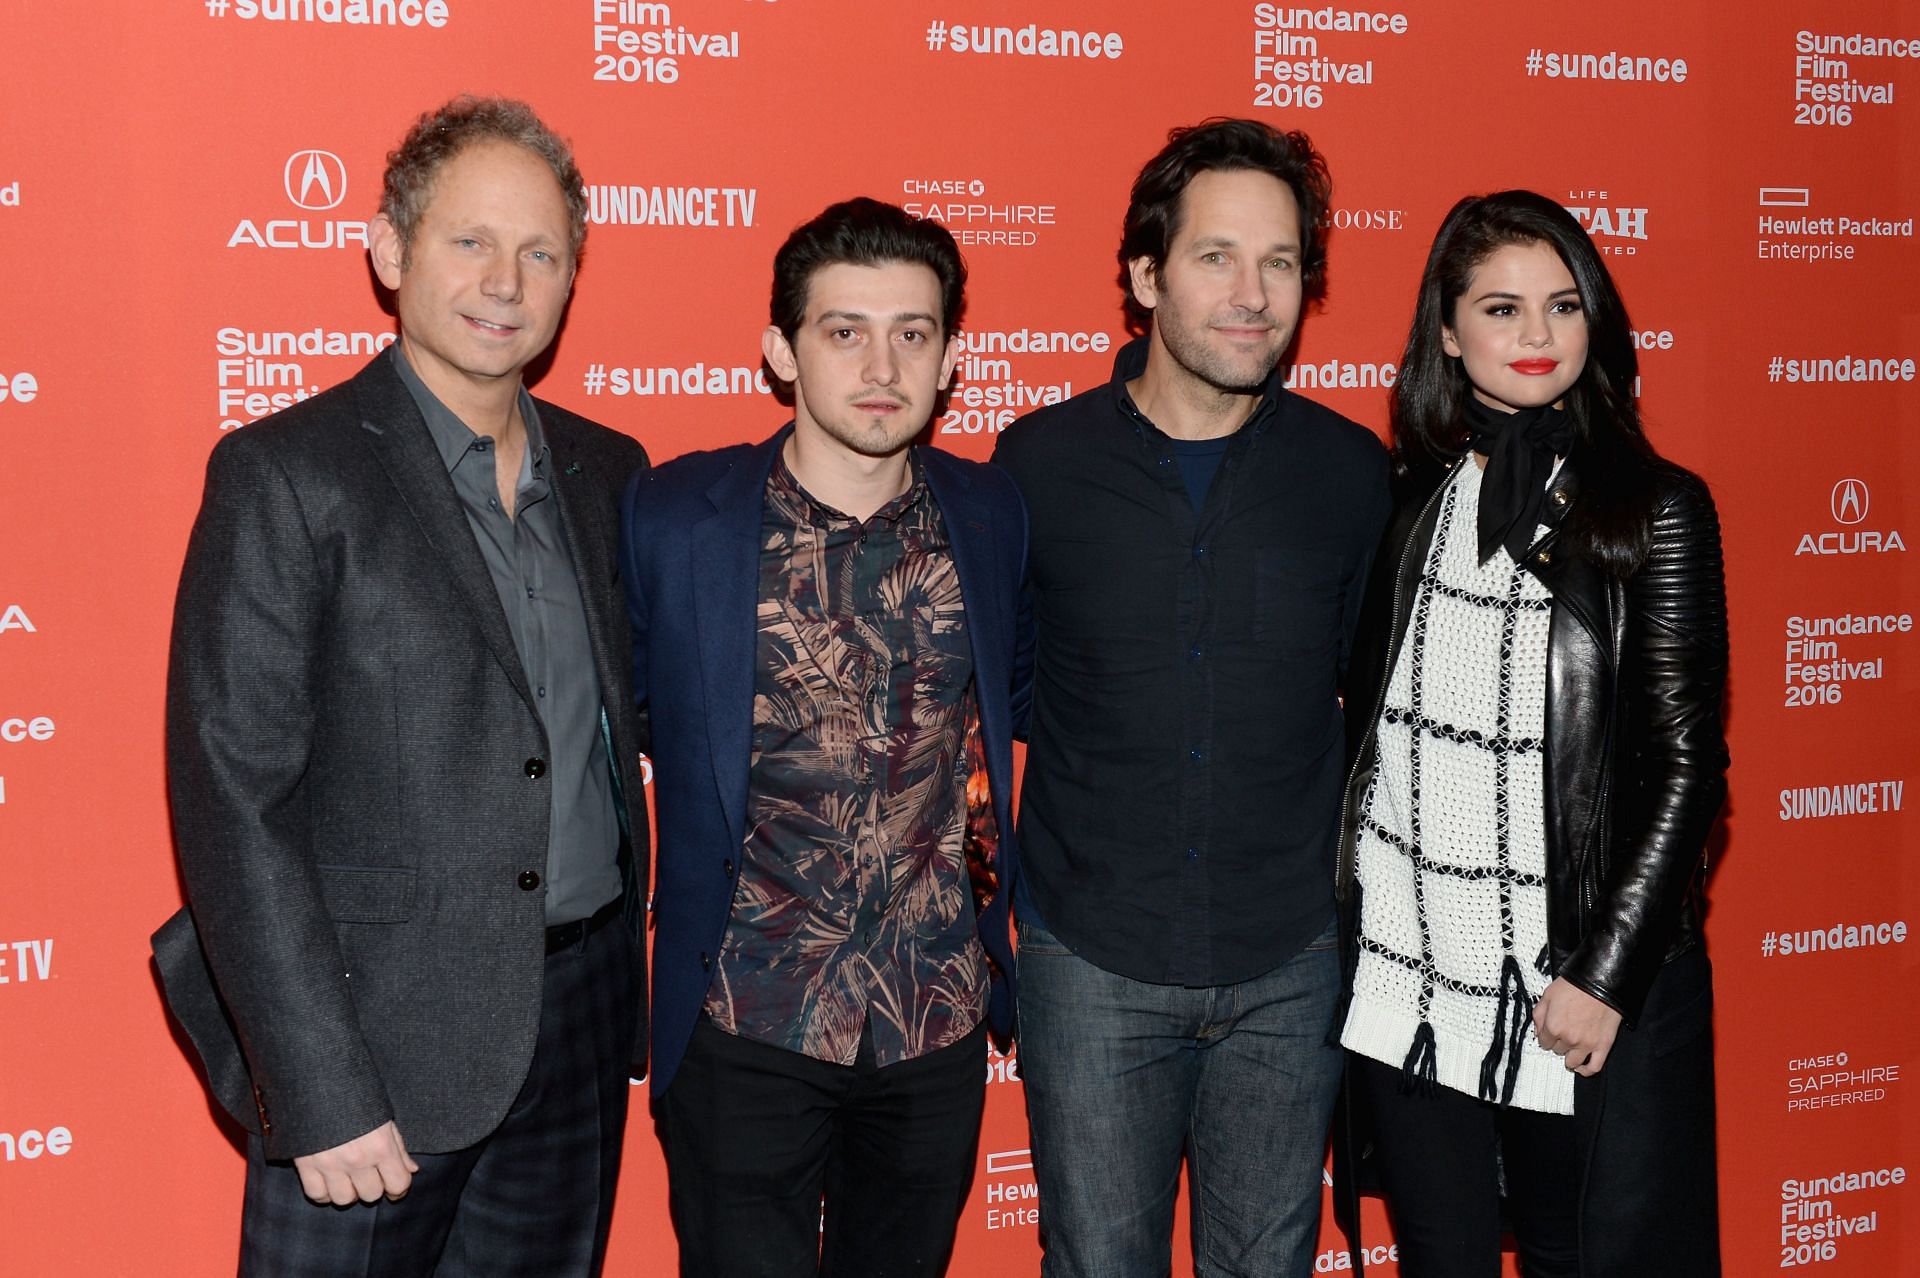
(1216, 145)
(864, 232)
(444, 132)
(1610, 450)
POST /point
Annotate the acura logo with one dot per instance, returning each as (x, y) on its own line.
(316, 180)
(1850, 501)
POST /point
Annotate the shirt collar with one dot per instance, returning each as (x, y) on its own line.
(453, 438)
(786, 490)
(1131, 361)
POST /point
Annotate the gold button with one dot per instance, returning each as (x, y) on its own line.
(1559, 496)
(1543, 557)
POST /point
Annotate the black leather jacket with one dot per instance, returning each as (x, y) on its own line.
(1636, 760)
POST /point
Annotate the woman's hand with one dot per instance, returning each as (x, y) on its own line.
(1576, 1025)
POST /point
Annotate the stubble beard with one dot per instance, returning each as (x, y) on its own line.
(880, 439)
(1187, 343)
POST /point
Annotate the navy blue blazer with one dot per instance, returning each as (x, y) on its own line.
(690, 559)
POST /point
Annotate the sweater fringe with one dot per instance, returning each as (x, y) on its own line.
(1510, 1022)
(1419, 1074)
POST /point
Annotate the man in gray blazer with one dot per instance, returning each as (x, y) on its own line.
(403, 760)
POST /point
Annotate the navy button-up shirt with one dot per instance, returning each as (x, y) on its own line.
(1184, 762)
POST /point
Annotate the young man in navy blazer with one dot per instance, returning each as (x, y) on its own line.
(824, 624)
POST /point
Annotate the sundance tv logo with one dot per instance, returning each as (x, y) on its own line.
(28, 961)
(313, 181)
(1849, 504)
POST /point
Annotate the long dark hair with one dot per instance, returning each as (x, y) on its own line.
(1610, 450)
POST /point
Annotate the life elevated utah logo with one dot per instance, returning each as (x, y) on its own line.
(1850, 503)
(313, 182)
(1617, 229)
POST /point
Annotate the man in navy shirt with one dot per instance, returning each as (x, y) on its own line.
(1200, 538)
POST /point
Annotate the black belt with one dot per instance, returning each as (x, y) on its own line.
(562, 935)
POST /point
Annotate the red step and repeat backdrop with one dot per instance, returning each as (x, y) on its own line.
(183, 192)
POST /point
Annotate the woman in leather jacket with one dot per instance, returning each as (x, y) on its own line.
(1536, 761)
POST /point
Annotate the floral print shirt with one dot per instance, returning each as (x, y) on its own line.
(854, 909)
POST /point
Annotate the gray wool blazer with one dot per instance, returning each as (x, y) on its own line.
(350, 747)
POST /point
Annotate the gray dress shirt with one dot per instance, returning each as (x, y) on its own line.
(533, 574)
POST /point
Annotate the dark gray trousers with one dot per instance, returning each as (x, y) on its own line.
(534, 1198)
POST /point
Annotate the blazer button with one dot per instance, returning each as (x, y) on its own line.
(706, 964)
(1559, 496)
(536, 767)
(529, 880)
(1543, 557)
(726, 867)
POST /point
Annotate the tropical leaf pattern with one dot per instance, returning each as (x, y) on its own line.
(853, 903)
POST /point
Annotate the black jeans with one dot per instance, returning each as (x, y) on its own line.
(1442, 1158)
(757, 1135)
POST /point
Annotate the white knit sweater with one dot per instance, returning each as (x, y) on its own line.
(1452, 852)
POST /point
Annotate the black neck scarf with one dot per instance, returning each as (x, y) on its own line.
(1519, 448)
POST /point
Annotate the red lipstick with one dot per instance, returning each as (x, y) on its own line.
(1534, 367)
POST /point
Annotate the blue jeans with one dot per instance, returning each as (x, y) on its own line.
(1123, 1078)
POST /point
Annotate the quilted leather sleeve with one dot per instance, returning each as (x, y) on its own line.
(1671, 775)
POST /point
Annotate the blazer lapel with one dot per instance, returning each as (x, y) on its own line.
(725, 552)
(399, 436)
(971, 533)
(587, 526)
